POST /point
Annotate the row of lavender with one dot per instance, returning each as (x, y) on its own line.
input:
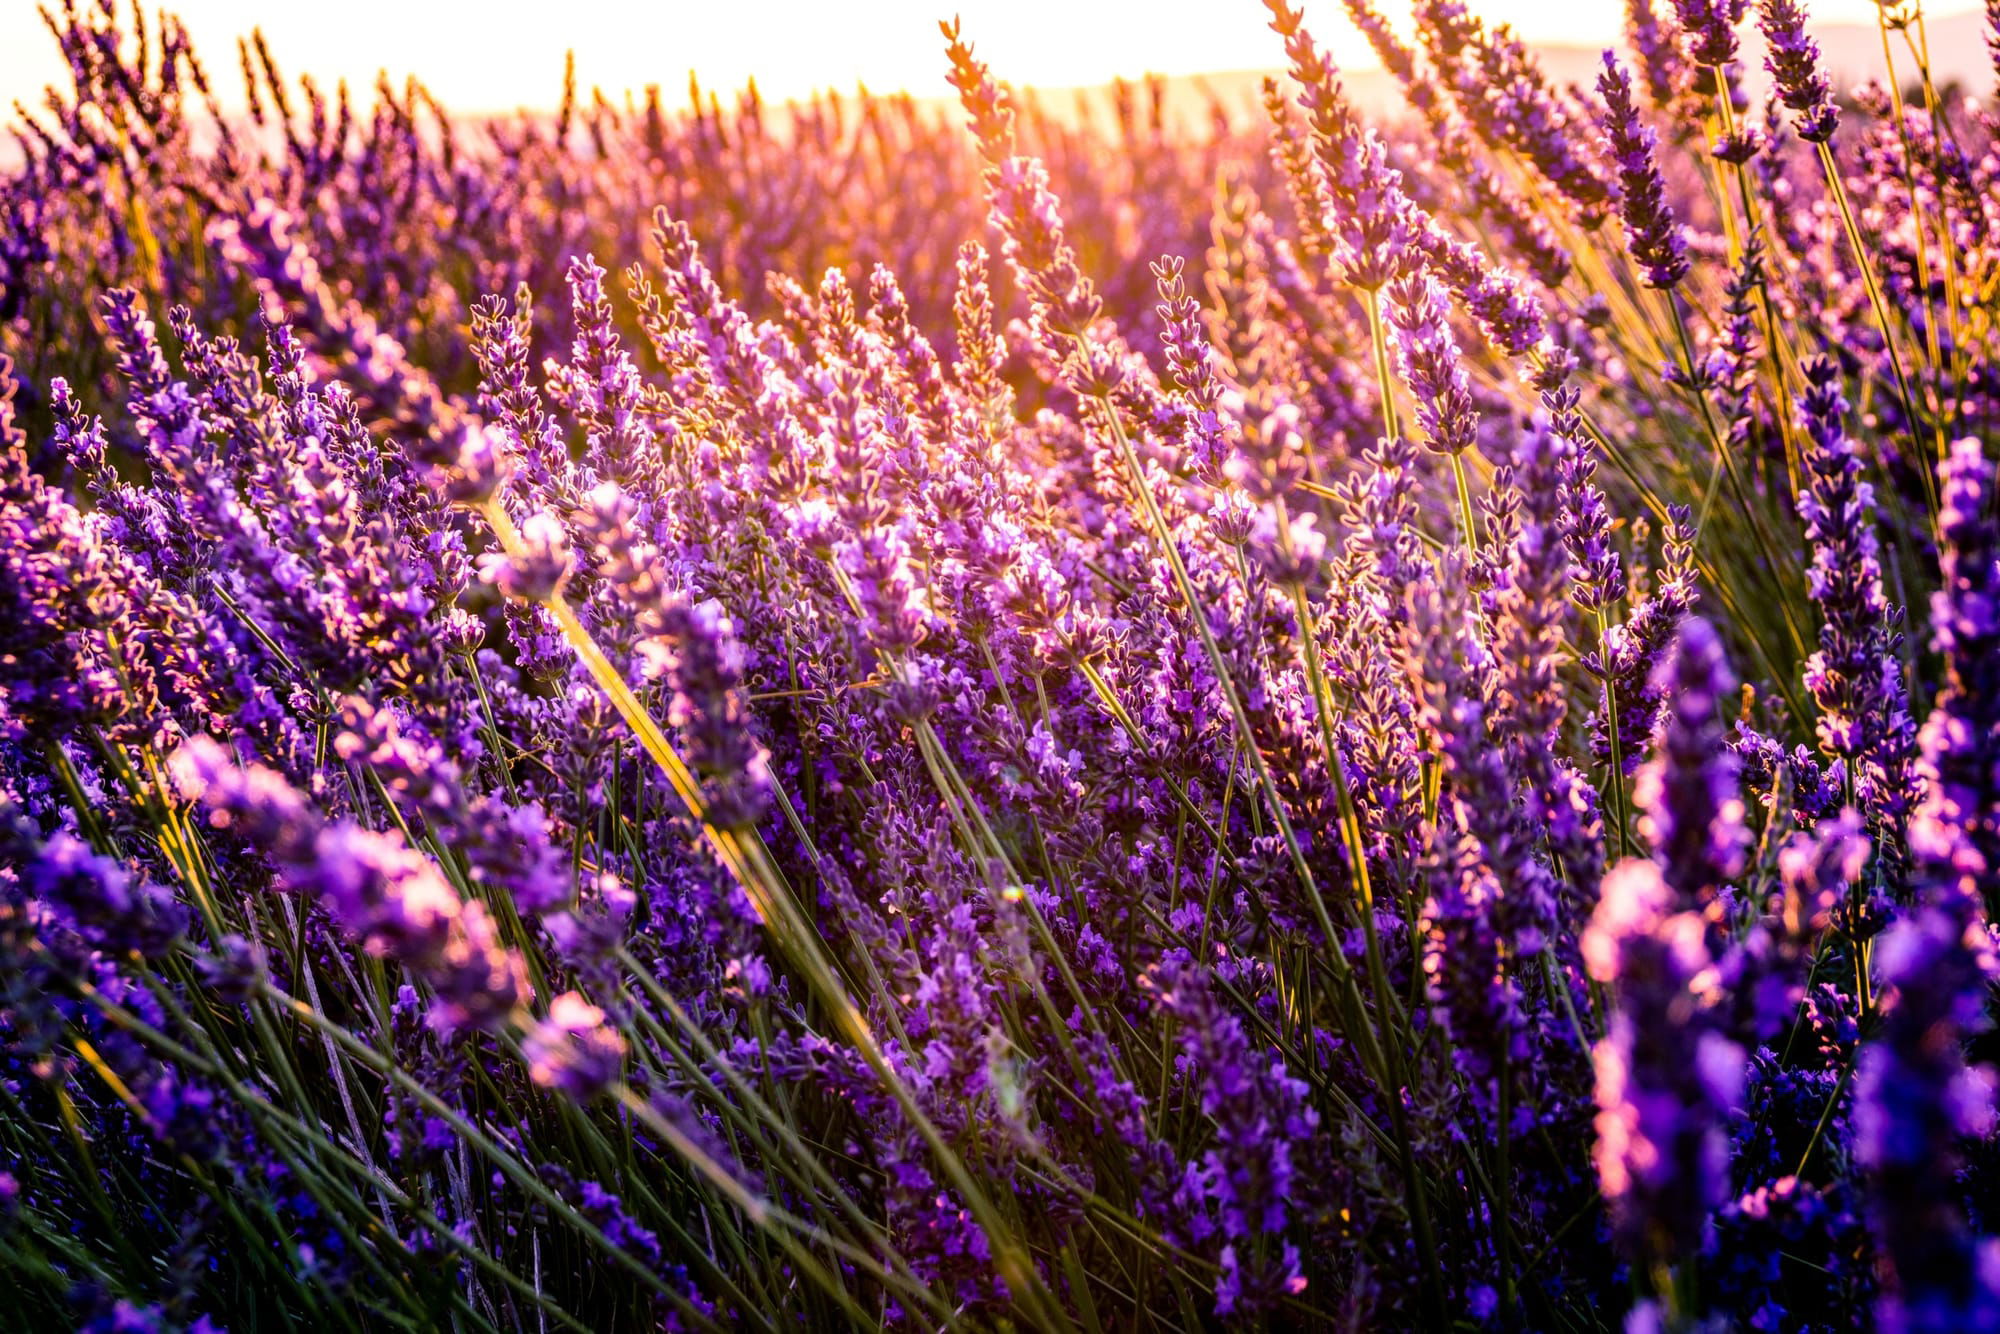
(1194, 774)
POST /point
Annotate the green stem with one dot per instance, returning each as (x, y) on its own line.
(1838, 189)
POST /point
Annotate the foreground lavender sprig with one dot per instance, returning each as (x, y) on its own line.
(1793, 58)
(1668, 1075)
(1917, 1102)
(1650, 228)
(1689, 794)
(1960, 741)
(692, 647)
(1633, 651)
(1666, 1078)
(386, 895)
(1856, 677)
(1918, 1099)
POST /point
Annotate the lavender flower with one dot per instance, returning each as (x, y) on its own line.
(1651, 232)
(693, 648)
(573, 1050)
(381, 891)
(1793, 59)
(1708, 27)
(1242, 1190)
(1586, 521)
(1190, 358)
(1428, 357)
(1506, 98)
(1367, 220)
(1815, 790)
(1918, 1099)
(1856, 676)
(1916, 1102)
(1666, 1078)
(1632, 652)
(1492, 907)
(1659, 61)
(1531, 604)
(539, 571)
(1689, 794)
(1955, 831)
(100, 899)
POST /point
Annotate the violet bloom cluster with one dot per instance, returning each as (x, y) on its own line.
(1919, 1101)
(573, 1049)
(1650, 228)
(1629, 662)
(1668, 1072)
(1956, 827)
(692, 648)
(384, 893)
(1428, 357)
(1689, 794)
(1708, 29)
(1666, 1076)
(1916, 1103)
(1793, 58)
(1856, 677)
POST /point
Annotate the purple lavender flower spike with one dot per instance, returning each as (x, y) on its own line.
(1959, 765)
(381, 891)
(1793, 58)
(1633, 651)
(1856, 676)
(573, 1050)
(1708, 27)
(1428, 357)
(1666, 1077)
(693, 648)
(538, 572)
(1586, 520)
(1816, 790)
(1917, 1103)
(1689, 795)
(1651, 231)
(98, 898)
(1652, 42)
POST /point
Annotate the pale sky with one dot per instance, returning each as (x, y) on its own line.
(499, 55)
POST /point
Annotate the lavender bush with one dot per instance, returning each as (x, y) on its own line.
(1031, 722)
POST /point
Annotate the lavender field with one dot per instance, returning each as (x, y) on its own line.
(687, 713)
